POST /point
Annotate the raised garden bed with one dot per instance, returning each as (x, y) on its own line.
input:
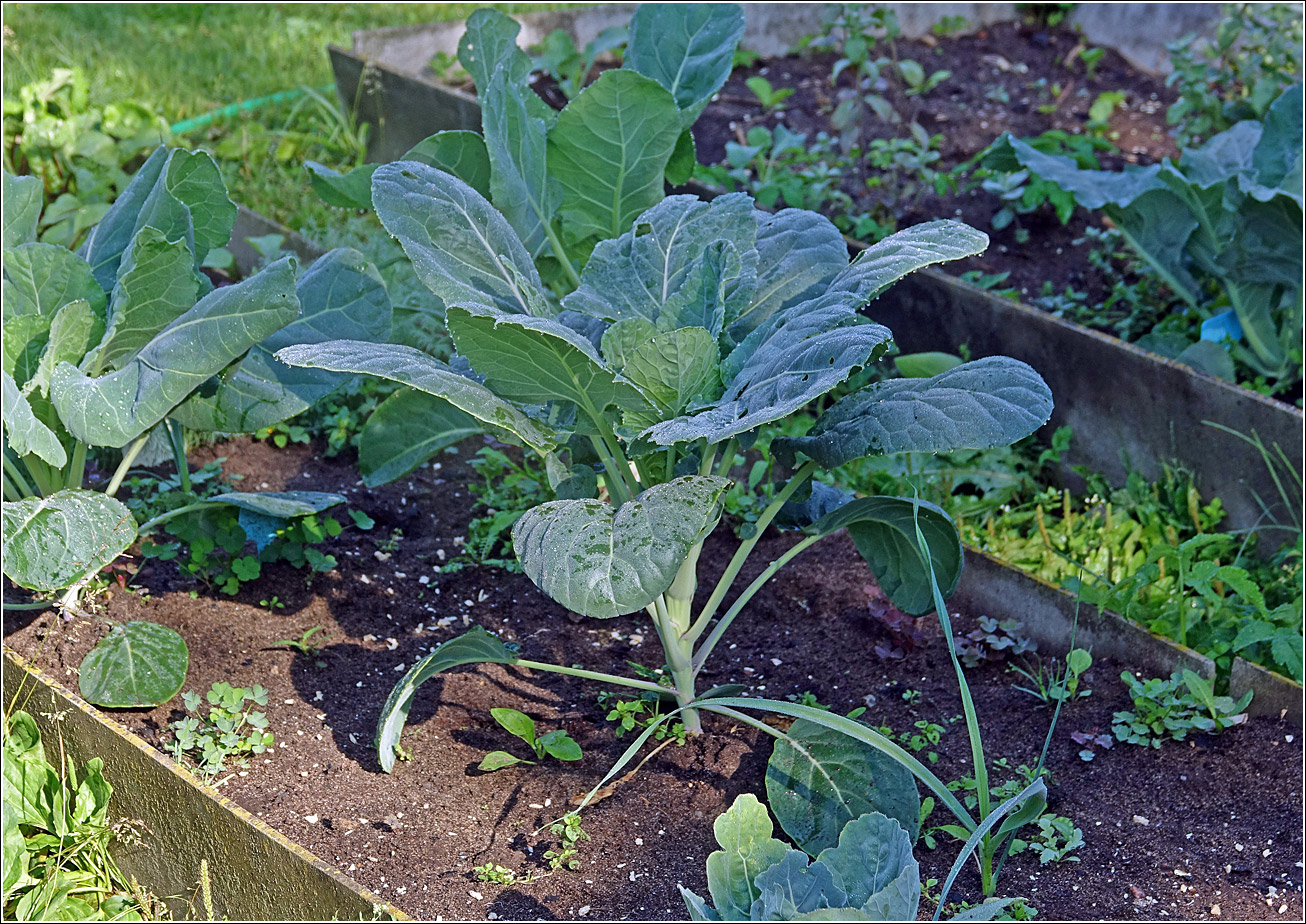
(1129, 409)
(414, 837)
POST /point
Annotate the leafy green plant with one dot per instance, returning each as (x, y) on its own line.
(1229, 214)
(1023, 193)
(83, 155)
(571, 835)
(993, 640)
(1256, 54)
(1171, 709)
(770, 98)
(304, 645)
(869, 875)
(570, 68)
(57, 837)
(232, 730)
(1092, 58)
(1091, 740)
(645, 711)
(1053, 683)
(557, 743)
(1056, 841)
(691, 326)
(94, 342)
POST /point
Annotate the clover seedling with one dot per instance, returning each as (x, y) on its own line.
(231, 730)
(556, 743)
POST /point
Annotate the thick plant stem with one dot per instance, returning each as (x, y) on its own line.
(745, 549)
(77, 470)
(128, 458)
(616, 484)
(679, 661)
(14, 475)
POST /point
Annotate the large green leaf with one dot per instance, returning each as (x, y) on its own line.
(687, 47)
(474, 647)
(73, 329)
(281, 504)
(22, 208)
(178, 193)
(24, 338)
(798, 253)
(873, 862)
(412, 367)
(136, 664)
(114, 409)
(42, 278)
(977, 405)
(31, 790)
(461, 248)
(489, 43)
(794, 888)
(24, 433)
(459, 153)
(884, 531)
(535, 360)
(352, 190)
(13, 843)
(747, 850)
(516, 141)
(604, 563)
(53, 542)
(157, 283)
(660, 264)
(1092, 189)
(341, 297)
(408, 428)
(818, 780)
(673, 370)
(609, 150)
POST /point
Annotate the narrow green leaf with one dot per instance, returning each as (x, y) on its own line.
(412, 367)
(516, 723)
(53, 542)
(476, 646)
(490, 43)
(602, 562)
(136, 664)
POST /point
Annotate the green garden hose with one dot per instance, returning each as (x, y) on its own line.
(249, 105)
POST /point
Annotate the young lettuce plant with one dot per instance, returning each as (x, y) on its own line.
(105, 345)
(1229, 211)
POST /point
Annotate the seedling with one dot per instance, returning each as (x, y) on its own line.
(272, 604)
(232, 730)
(303, 645)
(568, 829)
(770, 98)
(1174, 708)
(1053, 683)
(1091, 740)
(556, 743)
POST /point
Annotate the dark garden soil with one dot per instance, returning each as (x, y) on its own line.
(993, 88)
(1169, 833)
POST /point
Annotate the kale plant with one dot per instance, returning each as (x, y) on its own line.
(1229, 214)
(636, 364)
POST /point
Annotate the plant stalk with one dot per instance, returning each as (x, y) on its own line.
(128, 458)
(645, 685)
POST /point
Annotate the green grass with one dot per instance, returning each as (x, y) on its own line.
(185, 60)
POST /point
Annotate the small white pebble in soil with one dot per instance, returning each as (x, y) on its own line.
(582, 911)
(474, 894)
(776, 661)
(317, 696)
(289, 702)
(1141, 820)
(639, 842)
(311, 819)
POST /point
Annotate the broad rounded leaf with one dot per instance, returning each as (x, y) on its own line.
(405, 430)
(798, 253)
(136, 664)
(609, 151)
(989, 402)
(873, 861)
(604, 563)
(794, 887)
(747, 850)
(476, 646)
(352, 190)
(114, 409)
(884, 531)
(409, 366)
(461, 248)
(460, 153)
(53, 542)
(673, 370)
(818, 780)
